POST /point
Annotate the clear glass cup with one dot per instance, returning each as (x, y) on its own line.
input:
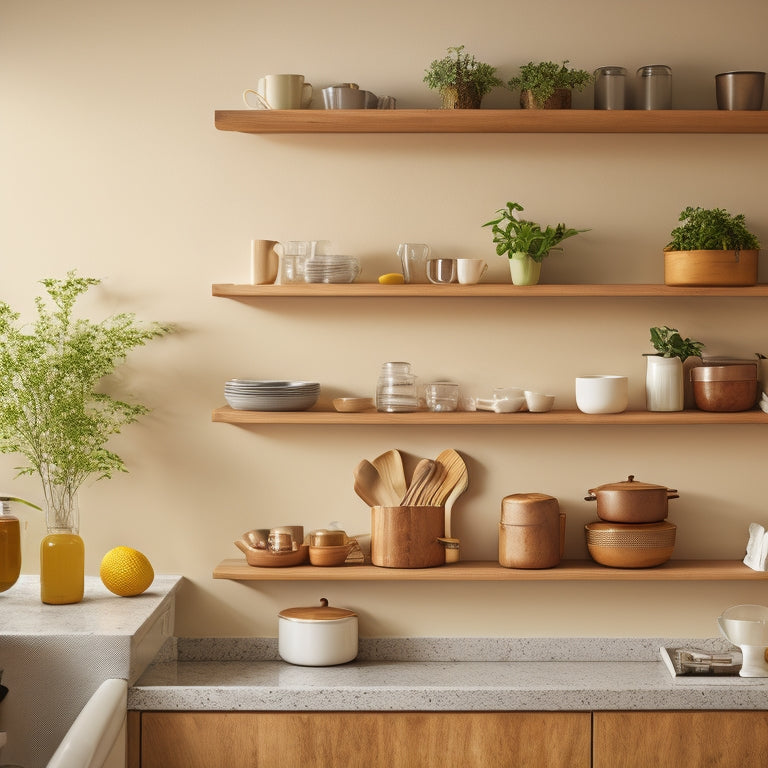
(396, 389)
(610, 87)
(442, 396)
(654, 87)
(441, 271)
(413, 257)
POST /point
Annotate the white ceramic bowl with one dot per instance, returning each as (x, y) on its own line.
(539, 403)
(602, 393)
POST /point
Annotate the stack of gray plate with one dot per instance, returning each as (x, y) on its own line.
(254, 395)
(331, 269)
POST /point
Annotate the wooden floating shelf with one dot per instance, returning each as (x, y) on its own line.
(490, 121)
(237, 569)
(503, 290)
(227, 415)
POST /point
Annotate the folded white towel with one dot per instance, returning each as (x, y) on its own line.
(757, 548)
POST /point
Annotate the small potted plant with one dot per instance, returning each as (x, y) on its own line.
(548, 85)
(525, 242)
(664, 381)
(460, 79)
(711, 247)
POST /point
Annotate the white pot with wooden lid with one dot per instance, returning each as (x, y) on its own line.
(317, 636)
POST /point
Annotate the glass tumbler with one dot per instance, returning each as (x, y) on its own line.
(413, 257)
(396, 389)
(610, 87)
(654, 87)
(442, 396)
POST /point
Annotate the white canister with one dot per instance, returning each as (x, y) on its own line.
(317, 636)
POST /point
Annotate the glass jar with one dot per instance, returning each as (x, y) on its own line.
(396, 390)
(10, 546)
(654, 87)
(610, 87)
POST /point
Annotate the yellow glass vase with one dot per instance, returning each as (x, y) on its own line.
(62, 552)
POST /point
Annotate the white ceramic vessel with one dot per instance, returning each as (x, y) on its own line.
(317, 636)
(602, 393)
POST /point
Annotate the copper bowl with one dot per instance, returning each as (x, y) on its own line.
(625, 545)
(725, 388)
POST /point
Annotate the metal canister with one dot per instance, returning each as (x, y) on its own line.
(654, 87)
(610, 87)
(530, 531)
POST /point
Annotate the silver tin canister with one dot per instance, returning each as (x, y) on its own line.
(654, 87)
(610, 87)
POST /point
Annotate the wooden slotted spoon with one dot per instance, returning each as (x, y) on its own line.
(455, 484)
(390, 466)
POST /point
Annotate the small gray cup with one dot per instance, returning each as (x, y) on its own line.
(740, 90)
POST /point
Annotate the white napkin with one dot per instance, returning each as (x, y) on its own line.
(757, 548)
(764, 402)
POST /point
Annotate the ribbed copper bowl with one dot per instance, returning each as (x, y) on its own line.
(641, 545)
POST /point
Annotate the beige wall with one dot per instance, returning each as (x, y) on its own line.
(111, 164)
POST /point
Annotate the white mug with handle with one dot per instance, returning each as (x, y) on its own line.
(279, 92)
(471, 271)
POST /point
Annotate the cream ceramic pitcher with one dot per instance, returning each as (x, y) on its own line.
(280, 92)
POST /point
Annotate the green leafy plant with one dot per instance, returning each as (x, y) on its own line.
(461, 79)
(50, 409)
(544, 78)
(515, 236)
(711, 229)
(669, 343)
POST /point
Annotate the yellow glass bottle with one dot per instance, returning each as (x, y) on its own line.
(10, 547)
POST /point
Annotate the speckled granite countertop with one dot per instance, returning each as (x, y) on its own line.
(433, 674)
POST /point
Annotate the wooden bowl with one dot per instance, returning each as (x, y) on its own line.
(352, 404)
(335, 554)
(626, 545)
(264, 558)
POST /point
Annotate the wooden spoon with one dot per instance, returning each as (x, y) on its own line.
(431, 487)
(455, 469)
(460, 486)
(421, 475)
(390, 467)
(369, 486)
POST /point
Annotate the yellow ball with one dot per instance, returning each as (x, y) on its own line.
(126, 572)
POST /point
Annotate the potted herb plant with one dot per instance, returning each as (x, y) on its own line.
(664, 381)
(525, 242)
(52, 413)
(460, 79)
(711, 247)
(548, 85)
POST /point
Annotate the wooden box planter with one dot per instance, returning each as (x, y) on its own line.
(715, 268)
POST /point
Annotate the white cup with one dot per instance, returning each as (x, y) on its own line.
(471, 271)
(602, 393)
(280, 92)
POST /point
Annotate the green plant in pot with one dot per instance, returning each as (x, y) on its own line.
(525, 242)
(664, 379)
(548, 85)
(711, 247)
(53, 413)
(461, 80)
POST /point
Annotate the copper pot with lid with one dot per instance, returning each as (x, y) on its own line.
(631, 501)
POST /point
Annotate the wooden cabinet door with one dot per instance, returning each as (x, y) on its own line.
(716, 739)
(365, 739)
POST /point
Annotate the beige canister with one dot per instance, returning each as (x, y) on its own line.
(530, 531)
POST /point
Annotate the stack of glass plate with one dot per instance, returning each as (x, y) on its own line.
(331, 269)
(254, 395)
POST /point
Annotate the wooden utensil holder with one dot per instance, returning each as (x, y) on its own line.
(407, 537)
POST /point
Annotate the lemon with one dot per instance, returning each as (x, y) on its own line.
(392, 278)
(126, 571)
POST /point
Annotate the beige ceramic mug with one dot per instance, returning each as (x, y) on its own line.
(264, 262)
(280, 92)
(471, 271)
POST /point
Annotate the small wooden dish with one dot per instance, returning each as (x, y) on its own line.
(330, 555)
(352, 404)
(263, 558)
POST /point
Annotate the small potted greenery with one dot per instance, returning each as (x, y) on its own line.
(460, 79)
(525, 242)
(711, 247)
(53, 412)
(548, 85)
(664, 380)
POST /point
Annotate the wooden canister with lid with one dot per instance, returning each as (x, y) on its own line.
(530, 531)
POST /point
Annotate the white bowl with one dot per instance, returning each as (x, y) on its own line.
(539, 403)
(602, 393)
